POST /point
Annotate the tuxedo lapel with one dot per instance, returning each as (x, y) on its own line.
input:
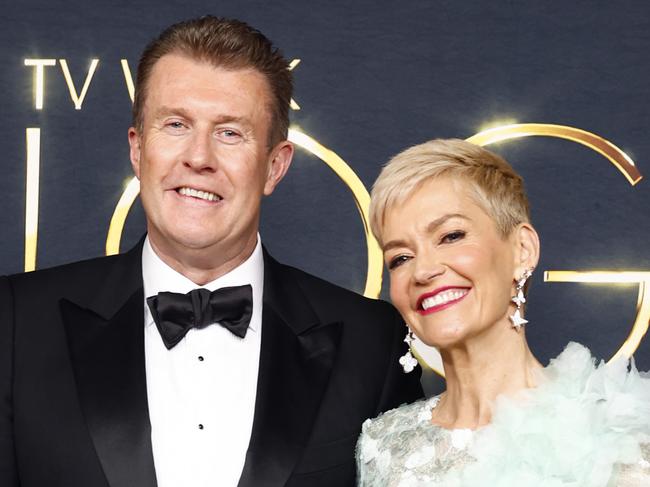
(296, 358)
(105, 334)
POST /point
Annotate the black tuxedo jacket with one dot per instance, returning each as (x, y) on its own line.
(73, 400)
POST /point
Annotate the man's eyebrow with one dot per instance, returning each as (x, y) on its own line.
(431, 227)
(232, 119)
(165, 111)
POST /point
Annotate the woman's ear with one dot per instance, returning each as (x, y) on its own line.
(527, 249)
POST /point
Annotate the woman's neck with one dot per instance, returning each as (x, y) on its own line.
(479, 370)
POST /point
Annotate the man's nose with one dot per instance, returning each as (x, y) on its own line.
(199, 154)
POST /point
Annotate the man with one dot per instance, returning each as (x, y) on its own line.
(107, 379)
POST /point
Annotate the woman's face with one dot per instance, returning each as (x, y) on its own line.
(451, 272)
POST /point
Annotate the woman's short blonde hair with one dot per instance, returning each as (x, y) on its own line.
(494, 184)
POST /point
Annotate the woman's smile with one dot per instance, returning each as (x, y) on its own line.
(441, 298)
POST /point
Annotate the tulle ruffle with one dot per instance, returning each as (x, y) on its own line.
(575, 429)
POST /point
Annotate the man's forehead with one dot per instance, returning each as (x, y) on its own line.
(172, 73)
(177, 72)
(181, 61)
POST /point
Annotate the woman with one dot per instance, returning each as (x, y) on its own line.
(452, 219)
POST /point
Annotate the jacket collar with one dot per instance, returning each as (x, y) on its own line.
(117, 280)
(297, 356)
(105, 333)
(283, 294)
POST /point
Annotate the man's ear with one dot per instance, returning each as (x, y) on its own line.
(134, 152)
(279, 162)
(527, 249)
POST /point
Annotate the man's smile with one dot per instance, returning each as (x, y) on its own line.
(197, 193)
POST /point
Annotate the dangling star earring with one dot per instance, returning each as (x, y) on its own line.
(408, 361)
(517, 320)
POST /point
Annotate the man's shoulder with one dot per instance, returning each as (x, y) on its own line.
(66, 269)
(75, 275)
(331, 294)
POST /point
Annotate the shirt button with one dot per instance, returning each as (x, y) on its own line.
(200, 426)
(200, 358)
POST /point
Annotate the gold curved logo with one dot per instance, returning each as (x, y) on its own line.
(605, 148)
(640, 326)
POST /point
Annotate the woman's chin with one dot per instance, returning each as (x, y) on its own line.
(444, 338)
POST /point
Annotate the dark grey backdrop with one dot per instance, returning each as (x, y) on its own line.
(375, 77)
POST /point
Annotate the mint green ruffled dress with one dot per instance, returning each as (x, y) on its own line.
(584, 425)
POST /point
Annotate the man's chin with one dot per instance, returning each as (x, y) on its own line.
(189, 240)
(192, 243)
(198, 243)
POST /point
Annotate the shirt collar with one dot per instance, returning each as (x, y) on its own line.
(157, 277)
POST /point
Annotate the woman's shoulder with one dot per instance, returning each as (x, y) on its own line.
(595, 415)
(403, 418)
(576, 373)
(387, 441)
(595, 398)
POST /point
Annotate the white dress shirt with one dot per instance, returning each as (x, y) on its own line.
(201, 393)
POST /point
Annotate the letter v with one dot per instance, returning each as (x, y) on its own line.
(78, 99)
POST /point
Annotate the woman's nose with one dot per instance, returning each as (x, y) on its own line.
(427, 268)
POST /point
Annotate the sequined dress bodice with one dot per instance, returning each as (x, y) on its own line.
(402, 447)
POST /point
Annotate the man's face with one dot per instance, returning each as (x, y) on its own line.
(203, 160)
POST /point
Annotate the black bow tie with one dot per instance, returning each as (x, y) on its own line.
(175, 314)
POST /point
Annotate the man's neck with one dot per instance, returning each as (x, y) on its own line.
(202, 266)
